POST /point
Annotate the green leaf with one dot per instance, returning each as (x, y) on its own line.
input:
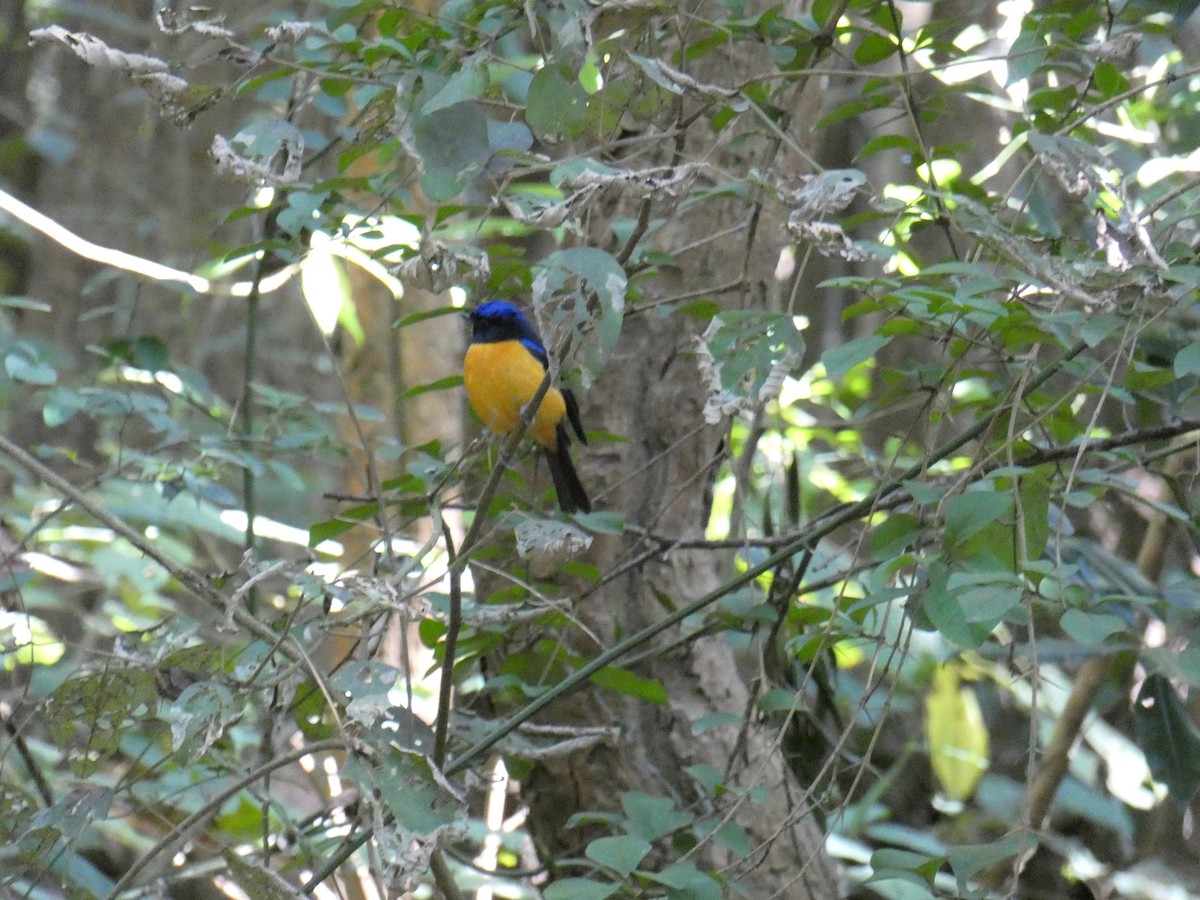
(346, 519)
(625, 682)
(1094, 804)
(556, 105)
(889, 142)
(258, 881)
(467, 83)
(1100, 327)
(366, 687)
(748, 348)
(969, 513)
(1091, 628)
(89, 715)
(73, 814)
(621, 854)
(1187, 361)
(780, 700)
(1189, 662)
(968, 860)
(30, 371)
(199, 718)
(582, 272)
(709, 777)
(425, 315)
(840, 360)
(925, 493)
(150, 353)
(943, 608)
(602, 521)
(1168, 738)
(1109, 80)
(1035, 491)
(579, 889)
(734, 836)
(442, 384)
(310, 712)
(729, 834)
(652, 817)
(687, 882)
(890, 862)
(822, 9)
(62, 406)
(715, 720)
(894, 535)
(987, 596)
(874, 48)
(654, 71)
(453, 144)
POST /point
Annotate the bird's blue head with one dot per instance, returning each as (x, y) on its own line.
(499, 320)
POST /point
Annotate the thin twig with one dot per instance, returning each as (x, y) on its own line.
(31, 764)
(449, 649)
(246, 419)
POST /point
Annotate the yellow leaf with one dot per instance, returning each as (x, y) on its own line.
(957, 735)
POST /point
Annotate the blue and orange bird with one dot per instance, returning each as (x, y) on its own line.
(503, 369)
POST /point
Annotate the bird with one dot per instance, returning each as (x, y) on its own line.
(503, 369)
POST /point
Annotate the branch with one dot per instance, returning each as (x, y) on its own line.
(1088, 681)
(797, 543)
(117, 259)
(189, 579)
(1034, 457)
(31, 764)
(214, 803)
(818, 529)
(128, 262)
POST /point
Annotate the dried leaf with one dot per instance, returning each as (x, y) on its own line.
(654, 183)
(289, 32)
(95, 52)
(230, 162)
(195, 19)
(819, 196)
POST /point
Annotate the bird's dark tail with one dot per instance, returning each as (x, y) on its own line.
(571, 495)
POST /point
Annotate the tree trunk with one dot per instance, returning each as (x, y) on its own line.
(660, 479)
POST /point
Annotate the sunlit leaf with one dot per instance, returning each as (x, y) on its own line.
(957, 735)
(841, 359)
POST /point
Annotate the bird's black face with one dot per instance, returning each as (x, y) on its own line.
(498, 320)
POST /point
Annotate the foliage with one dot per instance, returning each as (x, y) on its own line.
(963, 509)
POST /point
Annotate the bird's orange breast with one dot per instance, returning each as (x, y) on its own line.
(500, 378)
